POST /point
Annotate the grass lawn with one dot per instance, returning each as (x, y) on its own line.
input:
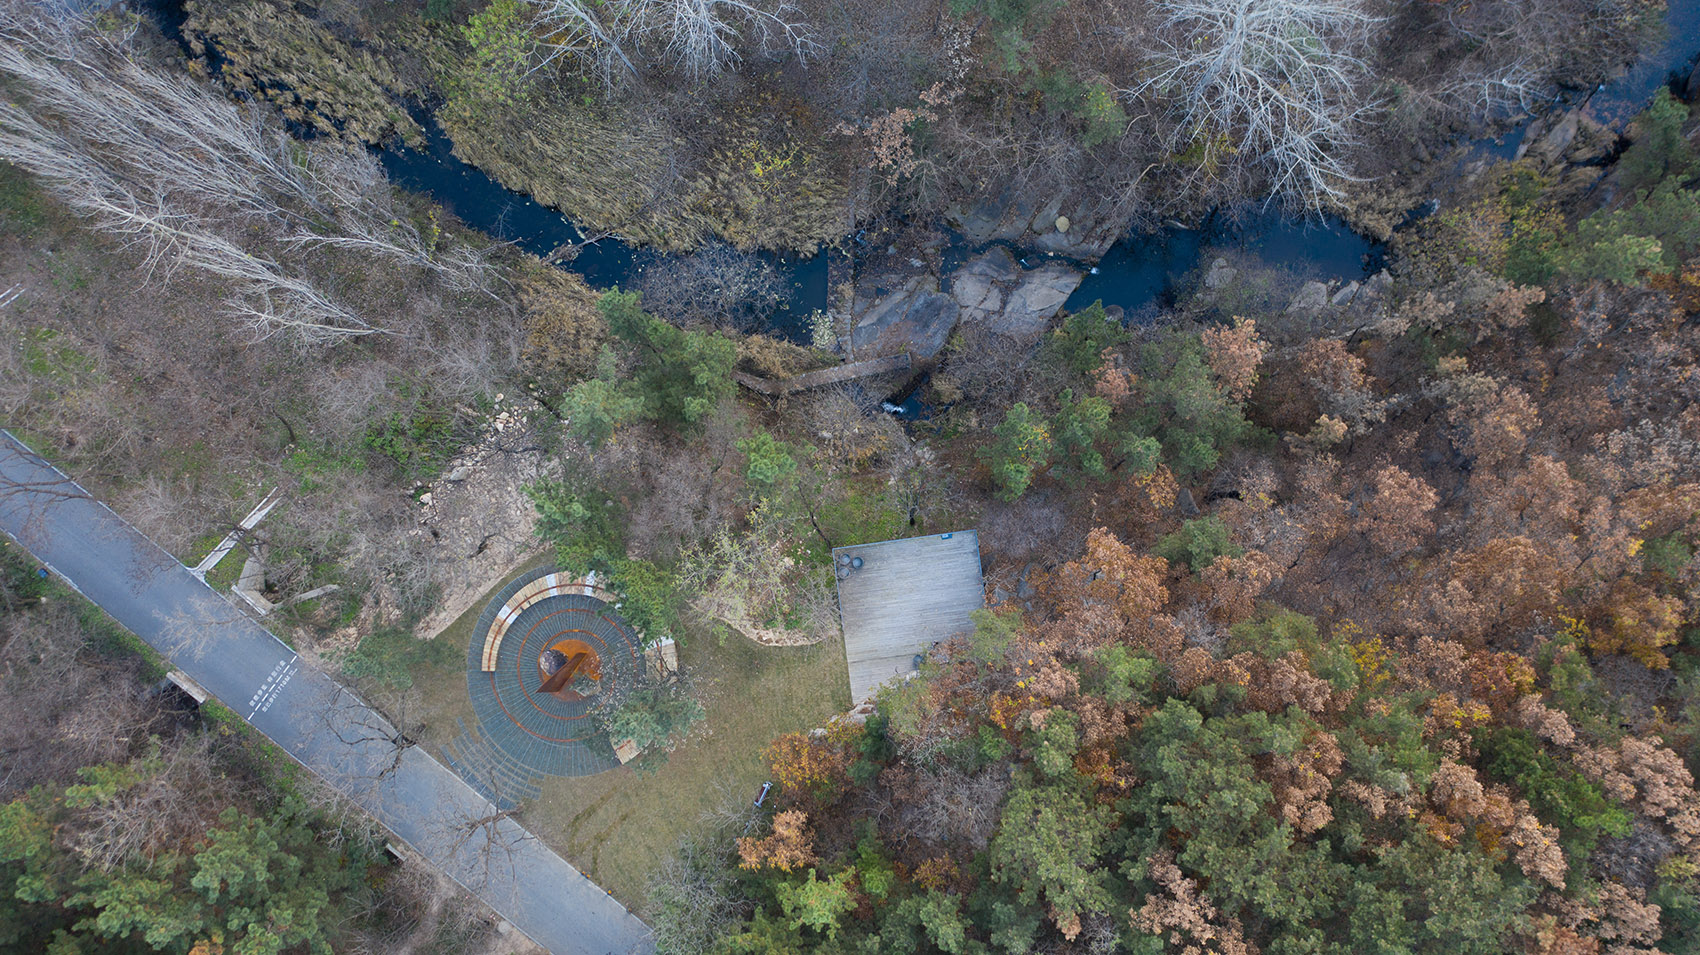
(616, 827)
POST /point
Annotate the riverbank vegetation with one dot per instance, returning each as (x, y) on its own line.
(1325, 618)
(826, 117)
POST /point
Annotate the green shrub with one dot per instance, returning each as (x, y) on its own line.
(1558, 793)
(679, 376)
(1021, 444)
(1659, 152)
(1055, 744)
(769, 459)
(418, 441)
(1182, 407)
(1667, 555)
(1079, 343)
(817, 904)
(993, 635)
(654, 717)
(1198, 543)
(587, 527)
(1079, 425)
(1124, 676)
(501, 42)
(1105, 119)
(23, 210)
(1013, 23)
(1678, 898)
(649, 599)
(318, 466)
(597, 407)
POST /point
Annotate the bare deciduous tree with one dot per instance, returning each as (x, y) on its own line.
(483, 839)
(1279, 81)
(168, 165)
(700, 38)
(718, 285)
(59, 710)
(587, 30)
(161, 811)
(702, 35)
(694, 895)
(382, 738)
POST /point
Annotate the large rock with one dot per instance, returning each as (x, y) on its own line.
(994, 292)
(1221, 274)
(1045, 219)
(982, 284)
(1312, 296)
(997, 219)
(1375, 287)
(918, 319)
(1557, 141)
(1035, 301)
(1030, 223)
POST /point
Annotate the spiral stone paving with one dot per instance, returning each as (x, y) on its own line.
(533, 720)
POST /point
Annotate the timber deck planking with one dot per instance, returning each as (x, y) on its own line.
(907, 595)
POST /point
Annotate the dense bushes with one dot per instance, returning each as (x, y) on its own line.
(665, 374)
(1181, 405)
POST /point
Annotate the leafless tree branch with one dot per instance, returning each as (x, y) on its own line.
(1278, 81)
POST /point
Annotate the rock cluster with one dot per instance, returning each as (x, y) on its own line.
(991, 290)
(1059, 225)
(1317, 296)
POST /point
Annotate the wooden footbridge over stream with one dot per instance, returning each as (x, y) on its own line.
(824, 376)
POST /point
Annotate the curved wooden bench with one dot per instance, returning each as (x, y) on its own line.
(549, 585)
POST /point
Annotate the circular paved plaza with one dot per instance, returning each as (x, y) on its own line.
(542, 655)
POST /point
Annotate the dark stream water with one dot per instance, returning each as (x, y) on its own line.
(509, 216)
(1137, 271)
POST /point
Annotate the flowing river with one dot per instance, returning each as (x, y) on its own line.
(1137, 271)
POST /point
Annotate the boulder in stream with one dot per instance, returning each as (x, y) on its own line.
(1221, 274)
(918, 318)
(982, 284)
(993, 291)
(1084, 232)
(1036, 300)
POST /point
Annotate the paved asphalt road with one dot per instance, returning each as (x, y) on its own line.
(306, 713)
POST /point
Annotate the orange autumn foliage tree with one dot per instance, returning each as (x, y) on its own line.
(1234, 354)
(1395, 515)
(786, 848)
(808, 770)
(1184, 914)
(1637, 622)
(1108, 576)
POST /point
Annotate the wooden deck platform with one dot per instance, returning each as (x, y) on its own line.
(907, 595)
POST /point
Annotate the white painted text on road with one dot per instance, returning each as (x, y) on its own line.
(271, 686)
